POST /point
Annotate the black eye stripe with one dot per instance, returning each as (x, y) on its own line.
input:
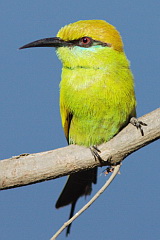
(81, 42)
(87, 42)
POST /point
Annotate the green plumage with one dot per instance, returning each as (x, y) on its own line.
(101, 99)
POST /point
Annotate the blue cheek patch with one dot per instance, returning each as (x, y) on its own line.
(89, 49)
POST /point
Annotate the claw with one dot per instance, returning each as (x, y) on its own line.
(95, 152)
(138, 124)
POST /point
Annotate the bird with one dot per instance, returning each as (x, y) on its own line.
(97, 97)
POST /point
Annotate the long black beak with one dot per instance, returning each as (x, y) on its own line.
(47, 42)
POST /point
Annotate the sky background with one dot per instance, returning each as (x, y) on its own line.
(30, 121)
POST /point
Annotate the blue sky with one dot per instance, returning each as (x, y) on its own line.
(30, 120)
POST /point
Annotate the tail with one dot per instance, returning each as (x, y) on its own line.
(78, 184)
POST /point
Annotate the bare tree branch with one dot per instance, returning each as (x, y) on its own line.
(87, 205)
(32, 168)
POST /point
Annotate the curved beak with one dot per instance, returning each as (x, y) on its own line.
(47, 42)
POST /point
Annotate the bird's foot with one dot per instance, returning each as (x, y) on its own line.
(95, 152)
(138, 124)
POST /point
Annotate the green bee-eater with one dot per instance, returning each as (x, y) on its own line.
(97, 96)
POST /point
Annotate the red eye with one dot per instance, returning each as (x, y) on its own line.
(85, 42)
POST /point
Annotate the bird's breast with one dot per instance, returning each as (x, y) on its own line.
(81, 78)
(100, 104)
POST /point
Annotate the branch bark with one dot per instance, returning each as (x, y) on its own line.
(32, 168)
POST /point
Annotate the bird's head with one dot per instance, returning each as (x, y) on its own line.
(84, 43)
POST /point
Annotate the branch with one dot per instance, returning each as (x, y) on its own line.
(32, 168)
(87, 205)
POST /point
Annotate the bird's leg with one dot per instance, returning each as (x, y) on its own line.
(95, 152)
(138, 124)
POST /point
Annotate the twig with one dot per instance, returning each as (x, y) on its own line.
(115, 172)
